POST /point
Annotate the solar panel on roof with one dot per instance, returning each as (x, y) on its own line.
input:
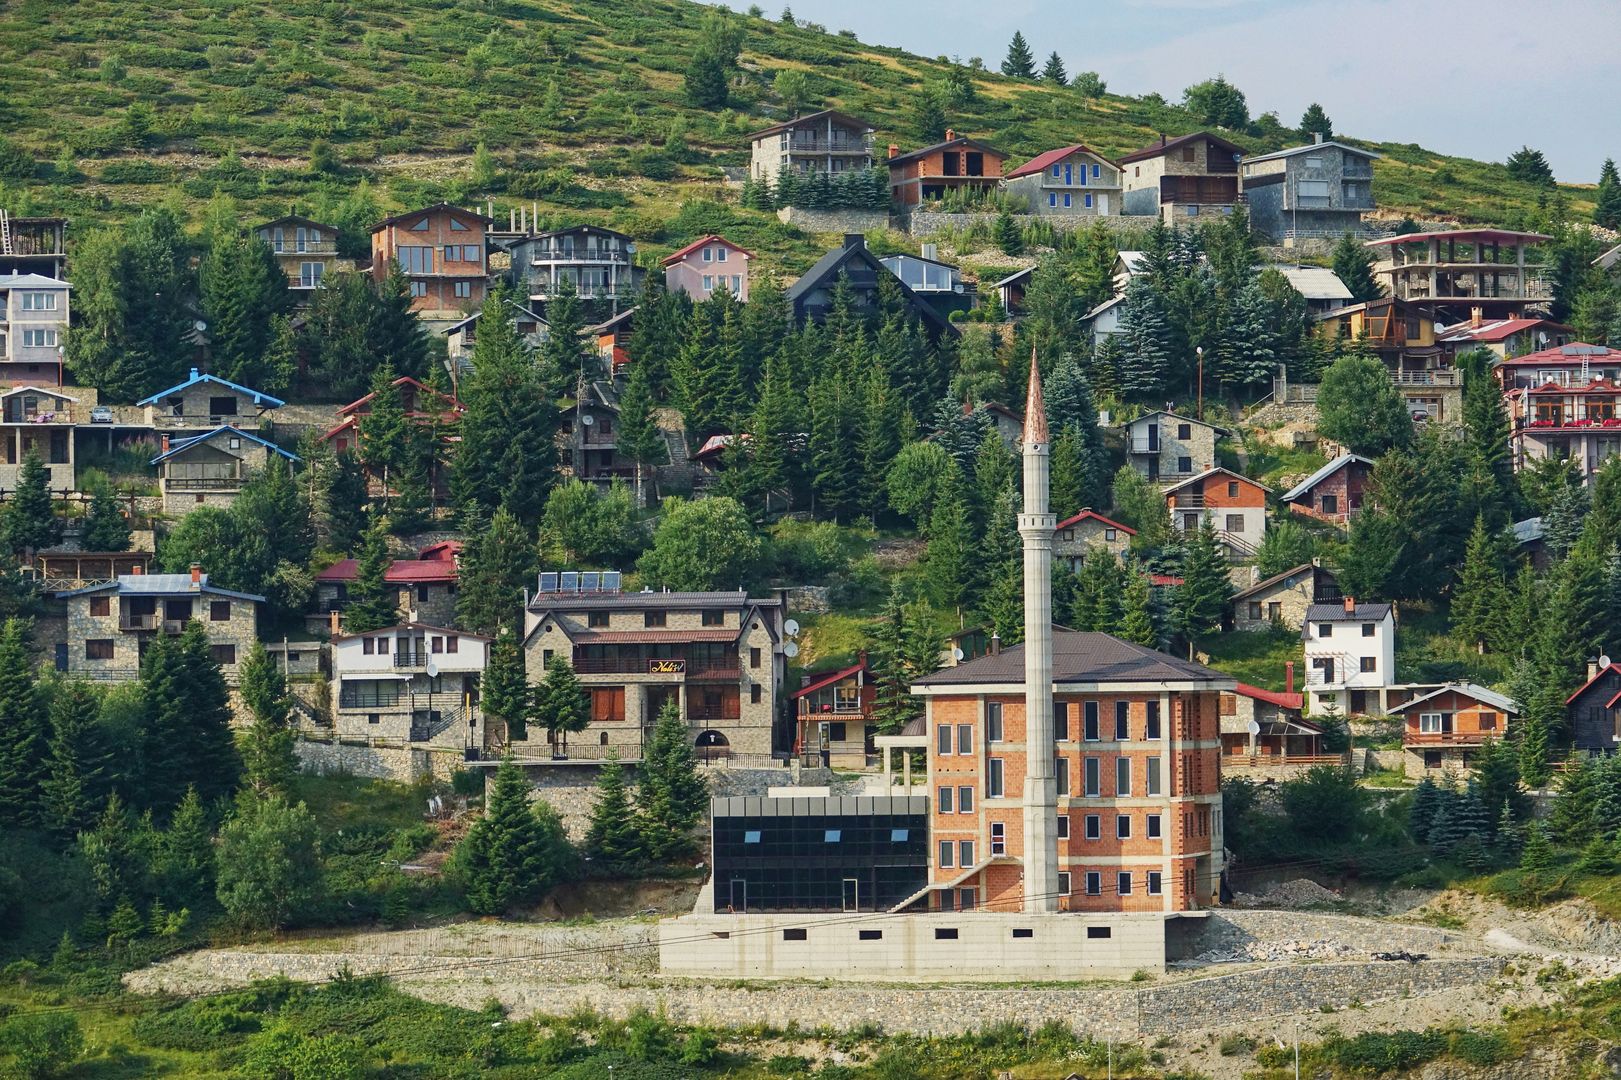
(569, 581)
(548, 582)
(610, 581)
(589, 582)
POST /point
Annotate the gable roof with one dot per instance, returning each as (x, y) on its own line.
(435, 208)
(1105, 306)
(1322, 474)
(474, 317)
(414, 571)
(1598, 676)
(829, 679)
(159, 585)
(1313, 282)
(1468, 689)
(180, 446)
(1211, 472)
(348, 410)
(260, 398)
(825, 114)
(300, 219)
(1041, 161)
(1337, 613)
(1272, 697)
(31, 281)
(1015, 276)
(1294, 150)
(1079, 657)
(47, 391)
(1276, 579)
(1175, 416)
(1156, 149)
(960, 140)
(712, 238)
(1496, 330)
(1095, 516)
(829, 265)
(1574, 353)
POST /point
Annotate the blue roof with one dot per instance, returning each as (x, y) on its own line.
(259, 397)
(160, 585)
(183, 444)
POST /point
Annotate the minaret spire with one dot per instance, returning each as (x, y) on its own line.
(1036, 525)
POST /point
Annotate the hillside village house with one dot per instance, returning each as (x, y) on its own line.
(1168, 446)
(599, 263)
(461, 337)
(833, 716)
(1334, 493)
(707, 265)
(1077, 535)
(109, 626)
(411, 683)
(938, 283)
(1321, 287)
(1403, 336)
(1318, 191)
(1594, 710)
(1505, 338)
(203, 402)
(717, 655)
(593, 441)
(1138, 778)
(1459, 273)
(1074, 181)
(1350, 657)
(1283, 599)
(33, 327)
(826, 142)
(1263, 729)
(1562, 402)
(811, 297)
(306, 251)
(423, 405)
(61, 571)
(1010, 290)
(1234, 505)
(959, 164)
(40, 420)
(425, 587)
(1181, 178)
(210, 469)
(1445, 728)
(440, 249)
(34, 245)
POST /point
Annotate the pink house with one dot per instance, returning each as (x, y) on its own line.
(708, 265)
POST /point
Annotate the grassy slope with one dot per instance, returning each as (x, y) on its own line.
(403, 91)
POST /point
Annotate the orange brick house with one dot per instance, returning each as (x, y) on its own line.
(957, 164)
(1138, 746)
(440, 249)
(1444, 728)
(1234, 504)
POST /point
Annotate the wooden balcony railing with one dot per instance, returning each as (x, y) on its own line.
(1277, 760)
(1448, 738)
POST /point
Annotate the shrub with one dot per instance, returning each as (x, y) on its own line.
(42, 1044)
(1379, 1052)
(133, 172)
(1483, 1048)
(15, 162)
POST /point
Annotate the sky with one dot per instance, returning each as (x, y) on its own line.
(1474, 78)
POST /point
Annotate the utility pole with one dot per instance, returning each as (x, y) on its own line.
(1199, 351)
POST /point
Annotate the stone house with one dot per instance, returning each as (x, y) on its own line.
(109, 626)
(1181, 178)
(957, 164)
(1317, 191)
(707, 265)
(1334, 493)
(204, 402)
(1075, 536)
(441, 251)
(1168, 446)
(1234, 505)
(1283, 599)
(210, 469)
(426, 587)
(33, 327)
(1263, 729)
(1071, 181)
(717, 655)
(833, 715)
(411, 683)
(306, 251)
(1445, 728)
(34, 419)
(821, 142)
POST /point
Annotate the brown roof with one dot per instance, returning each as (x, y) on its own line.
(1082, 657)
(435, 208)
(837, 117)
(1262, 586)
(960, 140)
(651, 637)
(1155, 149)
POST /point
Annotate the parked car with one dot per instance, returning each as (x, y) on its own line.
(101, 414)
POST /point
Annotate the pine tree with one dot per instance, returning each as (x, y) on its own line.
(183, 863)
(105, 527)
(1099, 588)
(1537, 857)
(78, 777)
(498, 558)
(1206, 589)
(337, 511)
(28, 521)
(1054, 71)
(1534, 752)
(188, 721)
(1315, 122)
(1137, 623)
(1478, 600)
(639, 437)
(1020, 62)
(1529, 166)
(561, 704)
(514, 852)
(613, 839)
(948, 562)
(832, 447)
(23, 733)
(268, 866)
(504, 689)
(373, 602)
(673, 797)
(1068, 478)
(1607, 211)
(242, 289)
(1146, 341)
(1421, 811)
(1353, 264)
(268, 761)
(113, 854)
(1006, 235)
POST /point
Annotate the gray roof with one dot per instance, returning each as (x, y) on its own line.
(1262, 586)
(1313, 282)
(642, 600)
(1527, 531)
(1468, 689)
(1322, 474)
(159, 585)
(1337, 613)
(1293, 150)
(31, 281)
(1083, 657)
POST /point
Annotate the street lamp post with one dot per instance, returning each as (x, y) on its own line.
(1199, 351)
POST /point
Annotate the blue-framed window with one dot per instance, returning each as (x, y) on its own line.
(1056, 172)
(1095, 172)
(1052, 198)
(1066, 200)
(1089, 200)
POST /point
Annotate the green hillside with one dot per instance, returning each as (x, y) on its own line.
(293, 105)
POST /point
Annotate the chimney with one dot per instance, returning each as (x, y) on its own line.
(931, 251)
(854, 240)
(137, 570)
(1289, 677)
(950, 134)
(194, 373)
(1592, 669)
(996, 643)
(332, 621)
(1350, 605)
(1477, 317)
(196, 575)
(1316, 137)
(894, 150)
(165, 443)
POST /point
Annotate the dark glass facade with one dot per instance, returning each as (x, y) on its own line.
(819, 854)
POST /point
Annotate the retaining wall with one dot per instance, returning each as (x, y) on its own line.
(404, 764)
(927, 223)
(834, 221)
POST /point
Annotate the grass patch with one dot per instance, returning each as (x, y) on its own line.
(1258, 656)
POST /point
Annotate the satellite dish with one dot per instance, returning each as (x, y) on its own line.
(1439, 326)
(588, 420)
(200, 325)
(1542, 337)
(791, 649)
(956, 653)
(1603, 661)
(433, 670)
(1255, 729)
(791, 627)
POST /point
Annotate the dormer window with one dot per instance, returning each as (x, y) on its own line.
(420, 226)
(456, 226)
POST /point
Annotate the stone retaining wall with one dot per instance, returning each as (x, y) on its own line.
(404, 764)
(834, 221)
(927, 223)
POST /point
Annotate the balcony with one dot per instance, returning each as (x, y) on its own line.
(712, 669)
(713, 712)
(324, 247)
(1263, 760)
(1449, 738)
(1436, 377)
(1188, 500)
(63, 415)
(202, 483)
(580, 255)
(152, 622)
(412, 659)
(826, 146)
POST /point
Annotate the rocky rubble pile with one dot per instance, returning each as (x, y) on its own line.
(1288, 894)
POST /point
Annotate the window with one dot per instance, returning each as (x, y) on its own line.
(652, 618)
(1058, 170)
(1063, 883)
(374, 718)
(754, 657)
(607, 704)
(1123, 883)
(965, 800)
(942, 742)
(1235, 523)
(1089, 723)
(1122, 776)
(1488, 721)
(709, 282)
(994, 778)
(737, 284)
(1314, 161)
(714, 618)
(1122, 721)
(1094, 883)
(39, 301)
(1061, 775)
(1052, 198)
(1432, 759)
(597, 620)
(101, 606)
(1023, 932)
(948, 854)
(709, 254)
(1151, 726)
(1232, 489)
(1325, 630)
(1330, 504)
(1369, 664)
(309, 274)
(944, 802)
(1367, 629)
(1109, 534)
(945, 933)
(1274, 610)
(793, 933)
(222, 654)
(1063, 826)
(993, 721)
(1184, 464)
(1154, 882)
(419, 288)
(965, 853)
(39, 339)
(1088, 198)
(1061, 720)
(1067, 200)
(415, 260)
(752, 836)
(1153, 821)
(965, 738)
(1092, 778)
(832, 836)
(1095, 173)
(456, 226)
(1122, 826)
(1311, 189)
(1255, 609)
(1430, 723)
(436, 644)
(755, 691)
(870, 935)
(219, 611)
(1184, 431)
(1093, 827)
(999, 838)
(98, 649)
(463, 289)
(368, 646)
(1151, 781)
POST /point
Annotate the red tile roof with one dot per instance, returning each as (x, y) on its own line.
(651, 637)
(1500, 330)
(1282, 701)
(1040, 162)
(1562, 354)
(1094, 515)
(421, 571)
(1597, 675)
(827, 680)
(712, 238)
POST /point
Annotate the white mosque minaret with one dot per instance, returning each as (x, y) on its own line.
(1036, 525)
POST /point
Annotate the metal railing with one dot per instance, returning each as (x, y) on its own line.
(202, 483)
(701, 669)
(308, 248)
(138, 622)
(1424, 378)
(411, 659)
(713, 712)
(578, 255)
(1263, 759)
